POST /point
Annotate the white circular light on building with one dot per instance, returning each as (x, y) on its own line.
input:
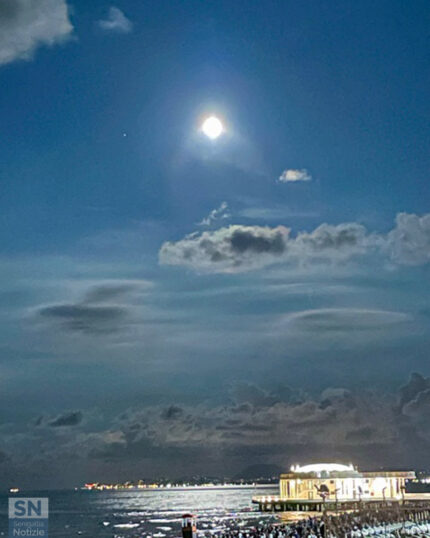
(323, 468)
(212, 127)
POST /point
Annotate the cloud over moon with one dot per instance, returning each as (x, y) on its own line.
(293, 175)
(116, 21)
(25, 25)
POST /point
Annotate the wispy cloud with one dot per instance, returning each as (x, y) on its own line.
(294, 175)
(219, 213)
(274, 213)
(95, 314)
(345, 319)
(116, 21)
(90, 319)
(24, 26)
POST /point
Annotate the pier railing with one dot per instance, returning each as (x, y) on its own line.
(276, 503)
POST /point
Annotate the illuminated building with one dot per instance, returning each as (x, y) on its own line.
(333, 485)
(343, 482)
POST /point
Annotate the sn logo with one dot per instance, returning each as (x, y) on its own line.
(28, 508)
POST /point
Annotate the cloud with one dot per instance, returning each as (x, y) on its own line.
(411, 392)
(267, 425)
(27, 24)
(274, 213)
(334, 394)
(339, 423)
(239, 248)
(116, 21)
(96, 313)
(345, 319)
(419, 405)
(242, 248)
(243, 392)
(114, 289)
(103, 445)
(294, 175)
(72, 418)
(409, 242)
(219, 213)
(326, 237)
(172, 412)
(414, 409)
(91, 319)
(350, 425)
(235, 248)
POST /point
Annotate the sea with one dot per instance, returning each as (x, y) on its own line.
(148, 513)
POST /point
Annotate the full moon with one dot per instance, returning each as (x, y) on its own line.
(212, 127)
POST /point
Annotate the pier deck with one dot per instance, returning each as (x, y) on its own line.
(274, 503)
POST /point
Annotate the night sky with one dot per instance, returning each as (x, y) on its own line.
(173, 305)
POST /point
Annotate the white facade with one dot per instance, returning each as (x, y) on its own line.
(341, 482)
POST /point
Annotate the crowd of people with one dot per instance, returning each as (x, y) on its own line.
(384, 522)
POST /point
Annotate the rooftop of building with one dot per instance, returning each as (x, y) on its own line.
(339, 470)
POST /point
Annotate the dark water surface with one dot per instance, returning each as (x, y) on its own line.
(144, 513)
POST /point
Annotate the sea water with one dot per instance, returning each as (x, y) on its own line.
(149, 513)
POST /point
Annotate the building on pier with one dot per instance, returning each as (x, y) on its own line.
(325, 485)
(344, 482)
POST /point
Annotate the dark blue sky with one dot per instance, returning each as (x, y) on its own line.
(239, 279)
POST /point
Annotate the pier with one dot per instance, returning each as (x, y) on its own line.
(336, 487)
(274, 503)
